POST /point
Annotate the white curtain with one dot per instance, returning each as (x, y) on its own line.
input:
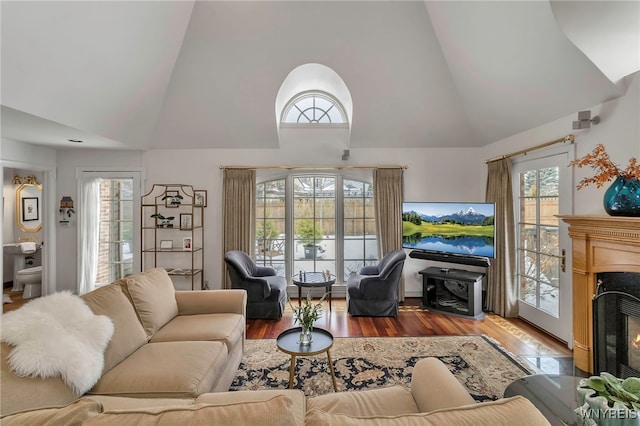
(89, 216)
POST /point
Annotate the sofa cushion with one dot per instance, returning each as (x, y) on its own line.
(388, 401)
(26, 393)
(503, 412)
(227, 328)
(276, 411)
(129, 334)
(71, 415)
(153, 296)
(166, 370)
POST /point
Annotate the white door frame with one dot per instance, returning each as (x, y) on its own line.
(49, 215)
(560, 327)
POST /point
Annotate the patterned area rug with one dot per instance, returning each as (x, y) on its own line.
(478, 362)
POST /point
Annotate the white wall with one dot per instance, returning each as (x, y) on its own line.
(618, 131)
(433, 174)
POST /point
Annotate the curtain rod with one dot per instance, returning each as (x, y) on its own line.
(569, 138)
(311, 167)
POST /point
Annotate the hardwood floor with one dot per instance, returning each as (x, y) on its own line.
(515, 335)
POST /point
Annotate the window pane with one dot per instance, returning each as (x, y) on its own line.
(352, 188)
(549, 207)
(548, 181)
(549, 240)
(529, 183)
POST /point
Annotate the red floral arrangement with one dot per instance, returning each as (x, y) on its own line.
(599, 160)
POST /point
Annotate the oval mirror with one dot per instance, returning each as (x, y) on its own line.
(29, 207)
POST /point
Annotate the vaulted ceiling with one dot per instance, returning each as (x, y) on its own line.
(205, 74)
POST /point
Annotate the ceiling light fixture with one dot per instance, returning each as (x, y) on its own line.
(75, 140)
(584, 120)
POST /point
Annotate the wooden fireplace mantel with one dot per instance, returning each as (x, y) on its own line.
(600, 243)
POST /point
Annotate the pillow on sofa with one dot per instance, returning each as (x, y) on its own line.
(72, 414)
(153, 296)
(276, 411)
(503, 412)
(129, 334)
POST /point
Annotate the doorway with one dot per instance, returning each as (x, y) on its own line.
(542, 190)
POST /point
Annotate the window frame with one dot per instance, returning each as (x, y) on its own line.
(290, 239)
(293, 102)
(137, 175)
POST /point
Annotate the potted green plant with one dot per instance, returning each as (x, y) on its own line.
(310, 235)
(175, 199)
(306, 315)
(606, 399)
(164, 222)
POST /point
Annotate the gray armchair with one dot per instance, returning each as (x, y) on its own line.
(266, 292)
(374, 291)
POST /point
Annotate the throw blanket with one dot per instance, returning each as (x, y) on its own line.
(57, 335)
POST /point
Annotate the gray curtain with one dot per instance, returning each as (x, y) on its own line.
(501, 284)
(238, 214)
(388, 192)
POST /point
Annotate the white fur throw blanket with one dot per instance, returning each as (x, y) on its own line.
(57, 335)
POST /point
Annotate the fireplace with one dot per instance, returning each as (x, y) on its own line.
(600, 244)
(616, 324)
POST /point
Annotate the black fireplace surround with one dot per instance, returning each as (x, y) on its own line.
(616, 324)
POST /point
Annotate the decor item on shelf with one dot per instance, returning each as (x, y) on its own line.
(165, 222)
(306, 315)
(623, 196)
(173, 198)
(606, 399)
(310, 235)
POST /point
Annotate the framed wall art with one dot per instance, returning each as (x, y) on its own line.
(30, 209)
(200, 197)
(186, 220)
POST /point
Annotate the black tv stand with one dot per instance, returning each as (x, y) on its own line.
(451, 258)
(452, 291)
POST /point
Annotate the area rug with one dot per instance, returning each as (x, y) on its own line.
(478, 362)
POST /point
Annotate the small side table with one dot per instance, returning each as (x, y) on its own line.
(314, 279)
(554, 395)
(289, 342)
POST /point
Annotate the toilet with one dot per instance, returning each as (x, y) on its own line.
(27, 279)
(31, 280)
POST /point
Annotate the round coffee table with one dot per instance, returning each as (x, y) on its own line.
(314, 279)
(289, 342)
(554, 395)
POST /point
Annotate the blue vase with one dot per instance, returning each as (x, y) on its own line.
(623, 198)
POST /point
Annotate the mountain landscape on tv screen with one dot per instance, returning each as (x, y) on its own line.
(464, 231)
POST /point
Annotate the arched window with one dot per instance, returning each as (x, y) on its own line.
(314, 108)
(315, 222)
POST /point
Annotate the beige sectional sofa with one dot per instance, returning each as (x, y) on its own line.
(166, 344)
(174, 353)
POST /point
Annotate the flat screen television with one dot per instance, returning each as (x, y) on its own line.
(454, 228)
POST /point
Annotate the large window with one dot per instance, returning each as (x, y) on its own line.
(115, 243)
(110, 206)
(315, 223)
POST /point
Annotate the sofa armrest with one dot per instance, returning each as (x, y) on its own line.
(212, 302)
(434, 387)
